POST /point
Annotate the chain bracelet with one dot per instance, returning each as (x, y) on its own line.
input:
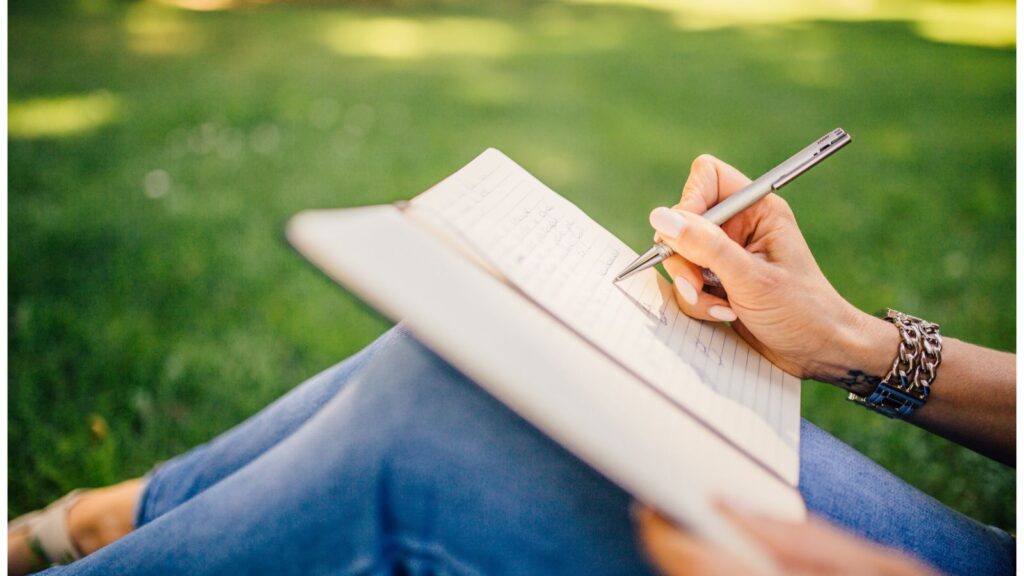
(907, 385)
(920, 351)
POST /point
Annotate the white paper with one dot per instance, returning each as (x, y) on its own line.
(565, 262)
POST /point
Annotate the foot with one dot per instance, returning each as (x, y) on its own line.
(102, 516)
(97, 518)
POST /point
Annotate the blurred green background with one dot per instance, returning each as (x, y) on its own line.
(156, 150)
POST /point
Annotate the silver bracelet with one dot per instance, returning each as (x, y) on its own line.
(907, 385)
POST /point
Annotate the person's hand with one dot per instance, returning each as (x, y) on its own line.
(776, 296)
(810, 548)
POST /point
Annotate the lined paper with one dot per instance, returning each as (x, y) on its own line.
(565, 262)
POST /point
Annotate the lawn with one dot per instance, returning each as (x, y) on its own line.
(155, 153)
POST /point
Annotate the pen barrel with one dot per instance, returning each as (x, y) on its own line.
(779, 176)
(741, 200)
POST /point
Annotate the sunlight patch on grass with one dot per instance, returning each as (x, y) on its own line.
(61, 116)
(990, 24)
(159, 30)
(981, 24)
(201, 5)
(418, 38)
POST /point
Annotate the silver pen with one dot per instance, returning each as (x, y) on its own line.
(771, 181)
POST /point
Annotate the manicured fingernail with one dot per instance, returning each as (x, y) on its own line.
(669, 222)
(686, 290)
(723, 313)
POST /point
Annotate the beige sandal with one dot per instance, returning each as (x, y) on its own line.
(48, 531)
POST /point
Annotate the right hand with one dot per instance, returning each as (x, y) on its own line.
(776, 295)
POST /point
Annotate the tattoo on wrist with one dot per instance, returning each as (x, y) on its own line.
(858, 382)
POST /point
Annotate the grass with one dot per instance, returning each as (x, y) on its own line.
(155, 154)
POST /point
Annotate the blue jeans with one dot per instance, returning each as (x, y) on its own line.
(393, 462)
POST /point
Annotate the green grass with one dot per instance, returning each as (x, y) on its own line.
(141, 325)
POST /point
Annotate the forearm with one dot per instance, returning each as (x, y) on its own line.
(972, 400)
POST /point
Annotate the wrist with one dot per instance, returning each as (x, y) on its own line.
(864, 352)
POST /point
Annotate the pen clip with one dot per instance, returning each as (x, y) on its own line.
(813, 154)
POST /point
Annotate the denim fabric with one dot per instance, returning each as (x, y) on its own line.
(394, 463)
(844, 486)
(205, 465)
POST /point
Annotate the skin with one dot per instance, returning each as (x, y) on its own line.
(780, 302)
(98, 518)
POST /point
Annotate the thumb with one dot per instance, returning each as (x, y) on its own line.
(704, 244)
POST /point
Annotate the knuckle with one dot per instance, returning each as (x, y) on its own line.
(702, 160)
(700, 183)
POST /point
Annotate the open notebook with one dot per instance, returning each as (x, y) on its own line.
(512, 284)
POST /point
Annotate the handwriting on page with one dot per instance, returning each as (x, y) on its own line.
(563, 260)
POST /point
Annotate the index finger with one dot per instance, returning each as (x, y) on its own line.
(710, 181)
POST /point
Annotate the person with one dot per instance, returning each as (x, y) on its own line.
(394, 462)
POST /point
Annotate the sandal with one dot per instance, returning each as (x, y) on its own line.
(48, 531)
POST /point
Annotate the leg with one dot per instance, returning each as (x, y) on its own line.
(411, 467)
(103, 515)
(205, 465)
(414, 467)
(843, 485)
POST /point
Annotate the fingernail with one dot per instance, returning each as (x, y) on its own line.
(723, 313)
(668, 222)
(686, 290)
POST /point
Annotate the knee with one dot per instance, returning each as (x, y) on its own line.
(458, 458)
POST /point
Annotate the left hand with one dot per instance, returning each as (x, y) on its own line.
(814, 547)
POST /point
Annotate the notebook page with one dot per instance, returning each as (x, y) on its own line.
(565, 262)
